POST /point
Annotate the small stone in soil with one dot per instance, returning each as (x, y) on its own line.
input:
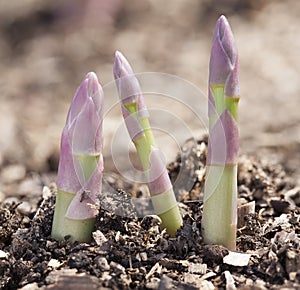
(237, 259)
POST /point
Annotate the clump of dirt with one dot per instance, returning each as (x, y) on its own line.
(132, 252)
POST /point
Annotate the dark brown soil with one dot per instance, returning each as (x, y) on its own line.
(128, 252)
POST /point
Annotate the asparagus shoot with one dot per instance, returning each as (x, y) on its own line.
(220, 195)
(81, 164)
(136, 117)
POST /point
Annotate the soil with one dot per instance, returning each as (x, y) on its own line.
(131, 252)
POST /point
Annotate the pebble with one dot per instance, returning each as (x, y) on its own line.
(237, 259)
(30, 186)
(13, 173)
(25, 208)
(293, 276)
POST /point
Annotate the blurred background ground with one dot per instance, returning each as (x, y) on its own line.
(47, 47)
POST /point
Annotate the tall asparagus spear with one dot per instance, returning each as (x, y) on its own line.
(81, 163)
(220, 195)
(136, 117)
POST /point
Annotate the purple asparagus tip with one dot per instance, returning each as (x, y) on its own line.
(127, 84)
(224, 64)
(82, 135)
(130, 93)
(122, 67)
(223, 74)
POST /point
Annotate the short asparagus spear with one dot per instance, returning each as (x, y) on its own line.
(220, 195)
(136, 117)
(81, 164)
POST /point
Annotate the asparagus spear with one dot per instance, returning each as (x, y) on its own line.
(81, 164)
(136, 117)
(220, 195)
